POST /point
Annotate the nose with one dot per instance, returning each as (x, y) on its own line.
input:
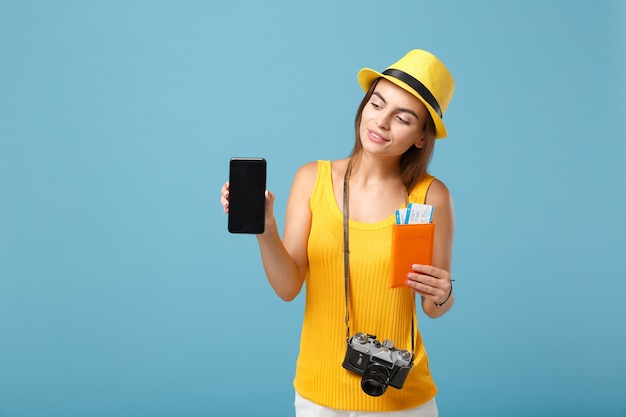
(383, 120)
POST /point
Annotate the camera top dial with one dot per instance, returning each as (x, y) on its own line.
(361, 338)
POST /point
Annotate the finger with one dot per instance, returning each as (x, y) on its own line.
(428, 285)
(225, 195)
(425, 293)
(269, 198)
(225, 204)
(269, 203)
(423, 279)
(420, 285)
(424, 269)
(434, 296)
(431, 270)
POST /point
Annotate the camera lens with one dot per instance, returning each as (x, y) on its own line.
(375, 379)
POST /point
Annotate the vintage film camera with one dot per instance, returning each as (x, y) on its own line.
(380, 363)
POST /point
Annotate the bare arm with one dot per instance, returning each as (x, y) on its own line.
(286, 261)
(433, 283)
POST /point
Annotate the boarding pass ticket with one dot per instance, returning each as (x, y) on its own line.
(415, 213)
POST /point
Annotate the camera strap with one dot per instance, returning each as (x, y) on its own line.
(346, 257)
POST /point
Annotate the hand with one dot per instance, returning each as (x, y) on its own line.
(269, 201)
(224, 199)
(430, 282)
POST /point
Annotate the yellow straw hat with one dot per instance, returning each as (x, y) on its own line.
(420, 73)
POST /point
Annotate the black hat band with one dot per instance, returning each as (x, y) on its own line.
(416, 85)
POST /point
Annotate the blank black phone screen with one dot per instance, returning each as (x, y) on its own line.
(246, 208)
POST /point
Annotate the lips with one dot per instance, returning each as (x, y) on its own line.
(376, 137)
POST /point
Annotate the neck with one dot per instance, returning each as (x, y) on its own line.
(366, 168)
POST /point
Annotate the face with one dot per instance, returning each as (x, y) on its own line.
(392, 120)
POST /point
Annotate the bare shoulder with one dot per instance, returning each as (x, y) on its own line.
(306, 176)
(304, 180)
(438, 194)
(440, 198)
(307, 170)
(306, 173)
(340, 165)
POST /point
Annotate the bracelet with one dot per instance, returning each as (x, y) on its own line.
(447, 298)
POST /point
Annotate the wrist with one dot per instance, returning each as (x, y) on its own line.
(270, 227)
(445, 300)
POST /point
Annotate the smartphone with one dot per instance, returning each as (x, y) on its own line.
(246, 207)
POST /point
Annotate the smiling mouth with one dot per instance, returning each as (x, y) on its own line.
(376, 137)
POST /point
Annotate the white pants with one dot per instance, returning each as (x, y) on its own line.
(306, 408)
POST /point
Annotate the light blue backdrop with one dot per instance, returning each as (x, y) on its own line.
(121, 292)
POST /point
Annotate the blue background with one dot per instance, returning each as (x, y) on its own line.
(121, 292)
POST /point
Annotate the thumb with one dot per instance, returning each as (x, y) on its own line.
(269, 201)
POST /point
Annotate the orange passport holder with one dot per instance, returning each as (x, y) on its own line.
(410, 244)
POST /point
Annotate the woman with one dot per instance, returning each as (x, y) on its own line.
(396, 126)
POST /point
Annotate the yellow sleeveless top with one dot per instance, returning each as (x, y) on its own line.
(374, 307)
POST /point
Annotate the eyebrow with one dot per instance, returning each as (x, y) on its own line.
(401, 109)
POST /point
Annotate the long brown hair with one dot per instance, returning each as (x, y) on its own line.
(414, 162)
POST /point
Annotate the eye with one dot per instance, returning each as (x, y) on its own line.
(375, 104)
(403, 119)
